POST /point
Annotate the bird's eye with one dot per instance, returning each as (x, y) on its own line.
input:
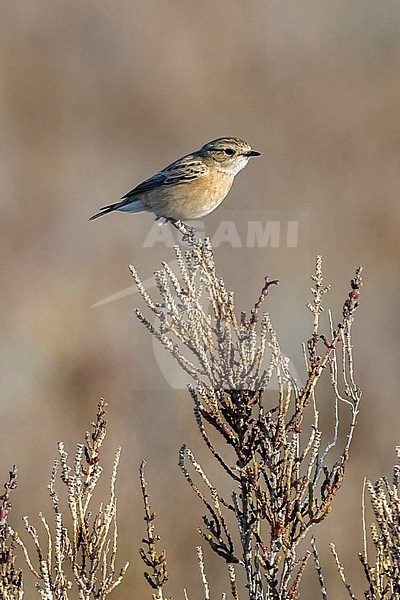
(229, 151)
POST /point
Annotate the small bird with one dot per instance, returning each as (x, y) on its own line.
(192, 186)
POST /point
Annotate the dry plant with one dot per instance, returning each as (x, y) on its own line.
(263, 430)
(383, 571)
(157, 562)
(79, 552)
(282, 477)
(11, 587)
(158, 577)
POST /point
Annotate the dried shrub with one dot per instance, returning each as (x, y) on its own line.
(283, 481)
(11, 587)
(80, 557)
(382, 570)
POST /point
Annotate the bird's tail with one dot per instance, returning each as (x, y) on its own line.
(105, 210)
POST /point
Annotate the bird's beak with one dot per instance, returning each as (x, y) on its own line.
(253, 153)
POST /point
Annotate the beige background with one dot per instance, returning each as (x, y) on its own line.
(98, 95)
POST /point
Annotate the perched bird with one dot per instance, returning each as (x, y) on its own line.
(192, 186)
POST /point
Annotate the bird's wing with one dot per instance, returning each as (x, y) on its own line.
(182, 171)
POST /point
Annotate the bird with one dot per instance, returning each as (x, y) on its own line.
(191, 187)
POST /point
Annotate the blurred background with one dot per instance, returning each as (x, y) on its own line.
(95, 97)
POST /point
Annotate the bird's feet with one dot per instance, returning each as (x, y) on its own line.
(188, 233)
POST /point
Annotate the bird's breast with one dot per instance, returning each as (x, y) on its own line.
(207, 192)
(191, 199)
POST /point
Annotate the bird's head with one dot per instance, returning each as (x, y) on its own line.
(229, 154)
